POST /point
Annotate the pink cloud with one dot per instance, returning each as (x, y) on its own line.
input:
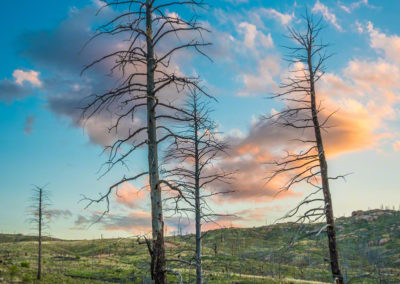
(129, 195)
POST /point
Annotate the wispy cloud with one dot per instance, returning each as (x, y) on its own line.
(283, 18)
(355, 5)
(53, 214)
(135, 222)
(326, 14)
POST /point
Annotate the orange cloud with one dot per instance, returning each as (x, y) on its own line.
(363, 102)
(221, 224)
(352, 130)
(396, 146)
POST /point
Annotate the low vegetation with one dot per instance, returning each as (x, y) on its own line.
(369, 244)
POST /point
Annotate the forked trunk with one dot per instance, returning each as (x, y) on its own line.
(158, 269)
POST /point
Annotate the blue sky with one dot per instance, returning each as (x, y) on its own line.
(43, 143)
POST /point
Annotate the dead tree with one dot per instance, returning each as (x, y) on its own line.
(305, 116)
(150, 38)
(194, 155)
(39, 214)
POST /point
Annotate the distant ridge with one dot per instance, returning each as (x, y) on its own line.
(370, 215)
(12, 238)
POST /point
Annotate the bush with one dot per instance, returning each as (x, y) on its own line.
(77, 257)
(13, 270)
(26, 278)
(25, 264)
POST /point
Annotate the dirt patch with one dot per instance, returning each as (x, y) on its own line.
(64, 258)
(170, 245)
(104, 255)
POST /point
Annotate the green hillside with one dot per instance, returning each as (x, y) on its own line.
(369, 245)
(10, 238)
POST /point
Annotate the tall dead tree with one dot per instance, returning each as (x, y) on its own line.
(194, 155)
(150, 34)
(38, 211)
(305, 116)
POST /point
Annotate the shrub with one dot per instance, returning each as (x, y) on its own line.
(25, 264)
(77, 257)
(13, 270)
(26, 278)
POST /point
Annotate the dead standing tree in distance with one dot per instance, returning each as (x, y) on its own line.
(194, 156)
(305, 115)
(39, 214)
(145, 26)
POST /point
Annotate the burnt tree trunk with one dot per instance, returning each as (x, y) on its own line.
(39, 271)
(330, 221)
(199, 277)
(158, 270)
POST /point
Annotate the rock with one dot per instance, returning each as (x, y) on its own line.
(340, 228)
(357, 213)
(370, 215)
(384, 241)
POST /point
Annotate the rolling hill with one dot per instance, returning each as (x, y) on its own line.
(369, 243)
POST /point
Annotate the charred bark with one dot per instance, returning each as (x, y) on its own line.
(158, 272)
(330, 221)
(199, 274)
(40, 219)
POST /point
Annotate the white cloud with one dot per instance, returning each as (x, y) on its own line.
(250, 32)
(31, 76)
(390, 45)
(263, 81)
(15, 89)
(284, 19)
(326, 14)
(253, 37)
